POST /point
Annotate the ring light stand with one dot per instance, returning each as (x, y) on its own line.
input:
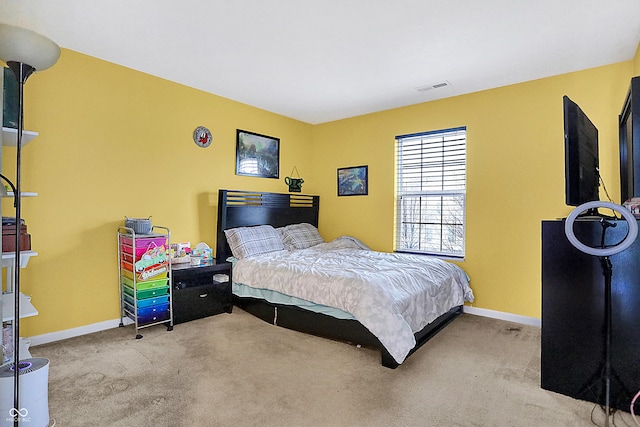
(604, 253)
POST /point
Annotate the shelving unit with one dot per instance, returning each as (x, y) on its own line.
(9, 138)
(144, 275)
(22, 194)
(8, 300)
(26, 308)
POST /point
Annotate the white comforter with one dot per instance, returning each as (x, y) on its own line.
(393, 295)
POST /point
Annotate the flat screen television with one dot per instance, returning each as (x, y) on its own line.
(582, 177)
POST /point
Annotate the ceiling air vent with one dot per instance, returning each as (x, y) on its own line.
(433, 86)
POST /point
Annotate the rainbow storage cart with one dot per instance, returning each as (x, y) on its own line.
(144, 274)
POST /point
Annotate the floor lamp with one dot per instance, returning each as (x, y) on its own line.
(604, 253)
(24, 52)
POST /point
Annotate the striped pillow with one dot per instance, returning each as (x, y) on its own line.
(300, 236)
(248, 241)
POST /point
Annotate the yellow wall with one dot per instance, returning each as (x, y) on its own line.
(515, 173)
(115, 142)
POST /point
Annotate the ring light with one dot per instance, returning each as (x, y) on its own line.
(603, 252)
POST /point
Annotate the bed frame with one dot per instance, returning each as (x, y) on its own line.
(246, 208)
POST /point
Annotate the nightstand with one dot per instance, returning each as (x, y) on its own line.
(201, 290)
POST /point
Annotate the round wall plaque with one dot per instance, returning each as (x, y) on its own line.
(202, 137)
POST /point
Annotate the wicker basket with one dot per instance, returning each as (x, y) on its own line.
(139, 225)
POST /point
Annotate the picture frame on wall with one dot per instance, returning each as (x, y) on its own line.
(257, 155)
(353, 181)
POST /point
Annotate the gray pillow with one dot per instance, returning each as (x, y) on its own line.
(248, 241)
(300, 236)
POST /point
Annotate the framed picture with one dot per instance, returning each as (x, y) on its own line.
(353, 181)
(257, 155)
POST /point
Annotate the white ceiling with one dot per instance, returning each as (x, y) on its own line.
(322, 60)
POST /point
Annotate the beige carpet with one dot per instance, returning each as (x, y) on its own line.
(236, 370)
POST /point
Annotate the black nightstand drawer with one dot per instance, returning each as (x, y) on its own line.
(197, 291)
(199, 301)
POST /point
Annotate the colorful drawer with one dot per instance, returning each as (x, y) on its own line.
(145, 241)
(146, 293)
(142, 244)
(148, 311)
(149, 318)
(146, 302)
(147, 284)
(152, 318)
(156, 272)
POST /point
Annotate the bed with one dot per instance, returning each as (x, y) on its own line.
(271, 237)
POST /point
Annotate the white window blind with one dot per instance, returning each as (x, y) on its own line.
(431, 192)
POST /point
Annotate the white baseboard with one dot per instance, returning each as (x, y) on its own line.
(76, 332)
(109, 324)
(532, 321)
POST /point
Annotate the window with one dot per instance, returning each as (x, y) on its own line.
(431, 192)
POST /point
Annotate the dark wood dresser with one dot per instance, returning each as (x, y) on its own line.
(573, 314)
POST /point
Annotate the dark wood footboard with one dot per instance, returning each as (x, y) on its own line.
(424, 335)
(345, 330)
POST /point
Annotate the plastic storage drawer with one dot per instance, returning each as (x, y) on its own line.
(139, 251)
(145, 241)
(131, 267)
(158, 272)
(146, 293)
(146, 302)
(148, 311)
(148, 284)
(155, 317)
(152, 318)
(142, 243)
(128, 249)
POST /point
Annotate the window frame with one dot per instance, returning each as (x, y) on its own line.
(455, 195)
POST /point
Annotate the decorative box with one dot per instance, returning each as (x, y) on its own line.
(9, 238)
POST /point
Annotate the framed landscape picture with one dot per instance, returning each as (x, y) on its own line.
(353, 181)
(257, 155)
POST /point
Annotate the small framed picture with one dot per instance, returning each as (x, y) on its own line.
(257, 155)
(353, 181)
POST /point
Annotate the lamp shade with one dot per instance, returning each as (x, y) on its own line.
(27, 47)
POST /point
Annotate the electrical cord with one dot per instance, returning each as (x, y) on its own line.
(606, 192)
(618, 417)
(612, 412)
(604, 187)
(633, 403)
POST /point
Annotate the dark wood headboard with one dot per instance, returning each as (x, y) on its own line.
(248, 208)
